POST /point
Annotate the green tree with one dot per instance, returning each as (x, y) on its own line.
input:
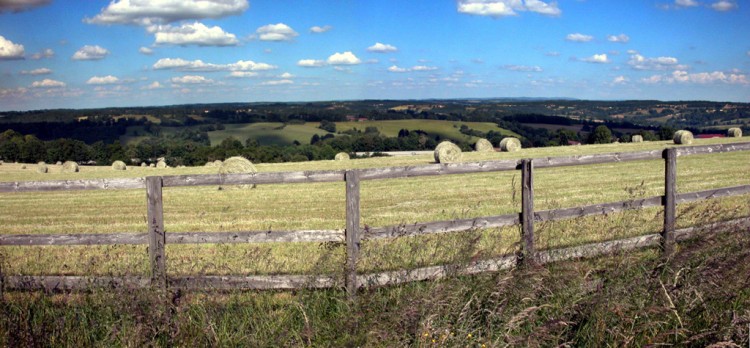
(600, 135)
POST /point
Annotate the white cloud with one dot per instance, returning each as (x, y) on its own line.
(622, 38)
(145, 50)
(276, 32)
(243, 74)
(597, 58)
(640, 62)
(192, 34)
(21, 5)
(318, 30)
(103, 80)
(277, 82)
(620, 80)
(90, 53)
(40, 71)
(46, 53)
(286, 75)
(142, 12)
(382, 48)
(686, 3)
(10, 50)
(191, 80)
(346, 58)
(47, 83)
(504, 8)
(724, 5)
(310, 63)
(180, 64)
(523, 68)
(578, 37)
(682, 76)
(396, 69)
(153, 85)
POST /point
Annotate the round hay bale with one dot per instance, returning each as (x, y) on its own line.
(59, 163)
(161, 164)
(119, 165)
(42, 168)
(734, 133)
(483, 145)
(683, 137)
(70, 167)
(636, 138)
(218, 163)
(341, 156)
(237, 165)
(23, 166)
(510, 144)
(143, 164)
(151, 165)
(447, 152)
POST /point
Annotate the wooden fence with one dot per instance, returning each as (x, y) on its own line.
(156, 238)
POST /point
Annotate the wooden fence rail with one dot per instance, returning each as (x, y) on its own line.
(352, 235)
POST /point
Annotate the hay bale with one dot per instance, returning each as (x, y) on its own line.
(70, 167)
(683, 137)
(636, 138)
(483, 145)
(341, 156)
(59, 163)
(237, 165)
(447, 152)
(734, 133)
(42, 168)
(161, 164)
(143, 164)
(119, 165)
(510, 144)
(23, 166)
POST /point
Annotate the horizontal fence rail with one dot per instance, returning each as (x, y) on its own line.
(353, 233)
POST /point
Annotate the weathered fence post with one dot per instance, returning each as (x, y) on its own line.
(156, 233)
(670, 193)
(527, 253)
(352, 231)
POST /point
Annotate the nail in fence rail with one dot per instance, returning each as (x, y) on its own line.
(352, 231)
(156, 234)
(670, 199)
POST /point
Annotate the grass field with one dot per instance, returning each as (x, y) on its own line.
(699, 297)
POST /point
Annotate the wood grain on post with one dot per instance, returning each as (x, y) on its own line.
(156, 234)
(527, 255)
(670, 195)
(352, 231)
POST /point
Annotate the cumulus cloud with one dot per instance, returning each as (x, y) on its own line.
(620, 80)
(191, 80)
(523, 68)
(141, 12)
(346, 58)
(640, 62)
(90, 53)
(504, 8)
(682, 76)
(724, 5)
(622, 38)
(243, 74)
(397, 69)
(286, 75)
(686, 3)
(382, 48)
(578, 37)
(310, 63)
(47, 83)
(153, 85)
(192, 34)
(180, 64)
(40, 71)
(145, 50)
(276, 32)
(21, 5)
(319, 30)
(10, 50)
(46, 53)
(103, 80)
(277, 82)
(597, 58)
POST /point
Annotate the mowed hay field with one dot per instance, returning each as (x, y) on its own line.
(384, 202)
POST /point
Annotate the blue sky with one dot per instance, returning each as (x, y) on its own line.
(81, 54)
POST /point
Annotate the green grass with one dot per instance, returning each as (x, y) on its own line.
(269, 133)
(445, 129)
